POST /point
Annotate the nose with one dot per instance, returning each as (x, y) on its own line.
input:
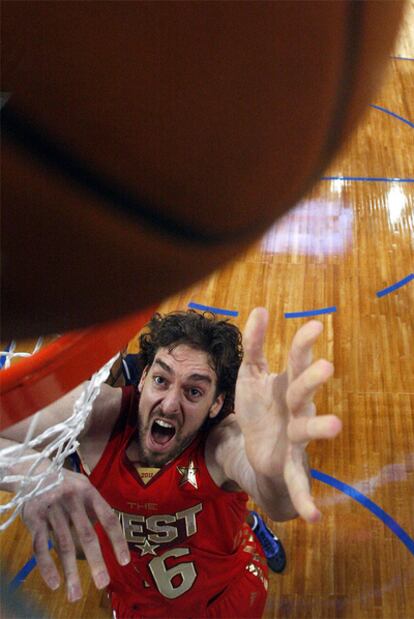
(171, 402)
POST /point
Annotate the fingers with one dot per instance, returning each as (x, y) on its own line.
(78, 503)
(66, 551)
(45, 563)
(88, 540)
(113, 529)
(305, 429)
(89, 543)
(301, 391)
(297, 482)
(253, 338)
(300, 354)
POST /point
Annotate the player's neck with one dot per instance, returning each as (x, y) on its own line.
(140, 462)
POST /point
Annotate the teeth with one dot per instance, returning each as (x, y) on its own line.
(164, 424)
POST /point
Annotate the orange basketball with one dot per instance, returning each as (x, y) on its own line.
(145, 143)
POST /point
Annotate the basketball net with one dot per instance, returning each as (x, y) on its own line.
(20, 393)
(61, 442)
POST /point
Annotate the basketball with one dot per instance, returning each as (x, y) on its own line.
(145, 143)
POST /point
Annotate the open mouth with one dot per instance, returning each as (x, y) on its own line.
(162, 431)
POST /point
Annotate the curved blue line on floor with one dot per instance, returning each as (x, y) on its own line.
(384, 109)
(368, 179)
(315, 312)
(25, 571)
(402, 282)
(368, 504)
(210, 308)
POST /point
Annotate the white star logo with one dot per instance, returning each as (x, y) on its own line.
(188, 474)
(146, 548)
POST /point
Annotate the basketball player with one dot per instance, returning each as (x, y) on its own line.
(176, 467)
(127, 371)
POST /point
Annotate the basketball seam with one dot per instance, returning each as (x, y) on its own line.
(58, 157)
(25, 135)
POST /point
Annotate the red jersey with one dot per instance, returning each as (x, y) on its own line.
(187, 537)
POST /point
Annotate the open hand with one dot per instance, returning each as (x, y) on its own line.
(73, 506)
(276, 413)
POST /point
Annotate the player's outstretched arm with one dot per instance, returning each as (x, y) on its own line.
(276, 419)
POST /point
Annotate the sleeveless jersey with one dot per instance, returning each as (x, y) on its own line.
(187, 537)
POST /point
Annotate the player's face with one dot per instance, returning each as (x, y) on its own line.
(178, 393)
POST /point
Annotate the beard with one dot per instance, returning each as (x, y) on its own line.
(152, 459)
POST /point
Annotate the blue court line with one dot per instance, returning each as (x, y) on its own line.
(402, 282)
(368, 504)
(25, 571)
(371, 179)
(315, 312)
(383, 109)
(210, 308)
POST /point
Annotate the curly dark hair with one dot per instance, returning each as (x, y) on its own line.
(220, 339)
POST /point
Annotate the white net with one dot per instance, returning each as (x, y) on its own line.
(8, 355)
(52, 446)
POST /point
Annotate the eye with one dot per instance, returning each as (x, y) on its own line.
(159, 380)
(194, 393)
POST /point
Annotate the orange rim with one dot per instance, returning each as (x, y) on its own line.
(36, 381)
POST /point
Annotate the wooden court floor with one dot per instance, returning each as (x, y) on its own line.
(348, 250)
